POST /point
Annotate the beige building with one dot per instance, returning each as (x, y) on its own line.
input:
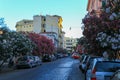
(49, 23)
(24, 25)
(70, 43)
(52, 36)
(42, 24)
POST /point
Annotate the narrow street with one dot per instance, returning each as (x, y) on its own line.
(61, 69)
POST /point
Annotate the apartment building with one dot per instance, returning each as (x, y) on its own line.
(49, 23)
(70, 43)
(44, 24)
(52, 36)
(24, 25)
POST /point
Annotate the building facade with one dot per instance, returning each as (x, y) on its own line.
(70, 44)
(44, 24)
(96, 6)
(24, 25)
(49, 23)
(52, 36)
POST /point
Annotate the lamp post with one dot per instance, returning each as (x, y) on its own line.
(71, 40)
(1, 32)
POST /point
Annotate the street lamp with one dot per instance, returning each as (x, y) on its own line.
(1, 32)
(71, 41)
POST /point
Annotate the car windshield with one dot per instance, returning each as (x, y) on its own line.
(22, 59)
(107, 66)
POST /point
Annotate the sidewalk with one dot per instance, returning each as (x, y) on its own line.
(5, 68)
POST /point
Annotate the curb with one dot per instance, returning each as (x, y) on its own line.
(5, 68)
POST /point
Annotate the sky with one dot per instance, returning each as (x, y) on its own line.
(71, 11)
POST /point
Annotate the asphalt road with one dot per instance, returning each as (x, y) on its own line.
(61, 69)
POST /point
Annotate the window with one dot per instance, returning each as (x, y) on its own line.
(44, 19)
(111, 66)
(69, 43)
(44, 30)
(68, 40)
(43, 25)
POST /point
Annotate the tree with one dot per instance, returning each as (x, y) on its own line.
(4, 44)
(44, 45)
(103, 33)
(61, 50)
(21, 44)
(83, 45)
(4, 54)
(2, 24)
(13, 43)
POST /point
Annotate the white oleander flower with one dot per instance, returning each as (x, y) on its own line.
(114, 47)
(104, 35)
(112, 40)
(108, 38)
(111, 17)
(105, 54)
(107, 10)
(104, 44)
(114, 14)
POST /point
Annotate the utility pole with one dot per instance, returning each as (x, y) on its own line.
(71, 38)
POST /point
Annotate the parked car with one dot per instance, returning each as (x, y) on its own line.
(82, 61)
(75, 55)
(82, 57)
(46, 58)
(65, 55)
(25, 61)
(59, 55)
(116, 75)
(37, 60)
(88, 62)
(53, 57)
(101, 69)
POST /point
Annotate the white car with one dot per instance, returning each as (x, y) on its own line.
(37, 60)
(116, 75)
(25, 61)
(101, 70)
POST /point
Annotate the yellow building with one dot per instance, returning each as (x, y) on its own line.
(60, 32)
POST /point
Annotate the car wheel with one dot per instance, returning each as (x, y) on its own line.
(17, 67)
(80, 67)
(85, 76)
(30, 65)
